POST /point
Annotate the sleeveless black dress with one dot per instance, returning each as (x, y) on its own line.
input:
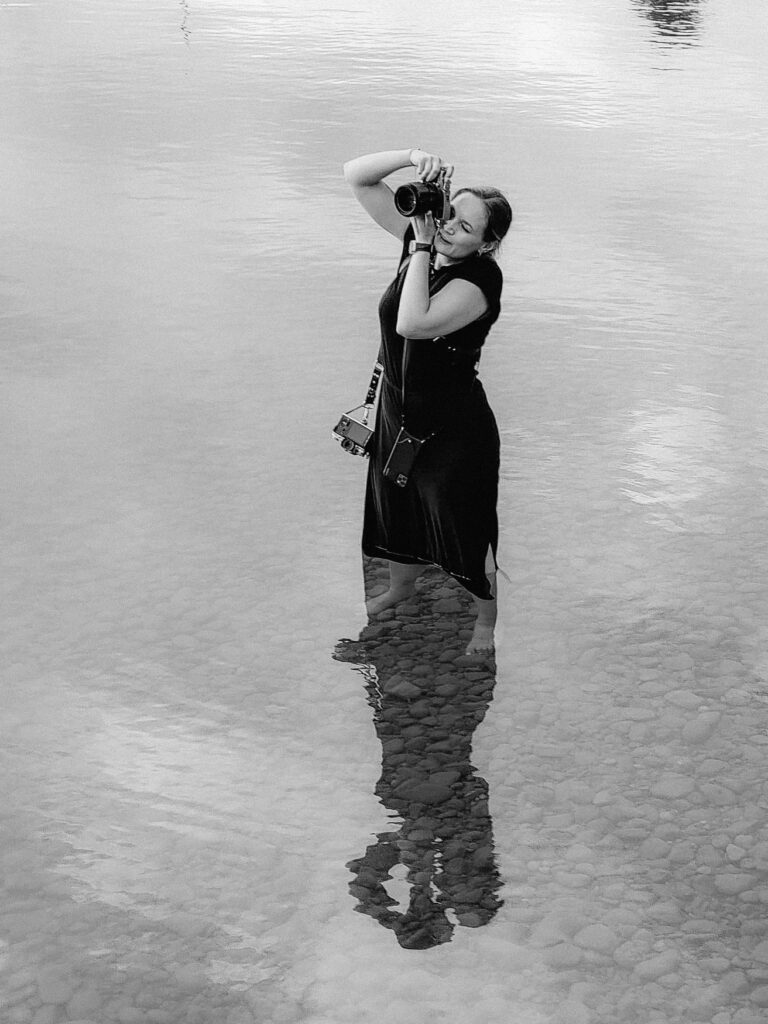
(446, 513)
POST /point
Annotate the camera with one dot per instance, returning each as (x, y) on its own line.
(420, 197)
(353, 431)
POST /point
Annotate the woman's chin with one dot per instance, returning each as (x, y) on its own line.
(447, 253)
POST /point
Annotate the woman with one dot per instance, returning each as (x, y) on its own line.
(435, 316)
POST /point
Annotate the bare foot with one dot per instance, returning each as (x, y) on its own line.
(482, 640)
(389, 598)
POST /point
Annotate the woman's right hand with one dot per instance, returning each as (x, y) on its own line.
(429, 166)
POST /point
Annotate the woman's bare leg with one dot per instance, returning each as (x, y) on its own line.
(402, 584)
(482, 641)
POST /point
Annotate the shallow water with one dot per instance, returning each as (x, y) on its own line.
(195, 770)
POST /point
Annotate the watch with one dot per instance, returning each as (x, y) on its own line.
(419, 247)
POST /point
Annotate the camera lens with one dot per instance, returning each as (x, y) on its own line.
(419, 197)
(407, 199)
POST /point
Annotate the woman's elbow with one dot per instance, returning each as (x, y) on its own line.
(351, 173)
(411, 329)
(404, 327)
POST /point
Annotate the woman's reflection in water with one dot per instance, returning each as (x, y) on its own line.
(428, 698)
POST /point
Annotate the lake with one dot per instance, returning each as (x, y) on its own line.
(225, 796)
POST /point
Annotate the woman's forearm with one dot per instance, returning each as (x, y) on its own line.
(414, 298)
(365, 171)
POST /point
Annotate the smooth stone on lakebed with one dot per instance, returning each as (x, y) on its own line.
(673, 787)
(716, 794)
(548, 932)
(683, 698)
(701, 728)
(447, 690)
(666, 912)
(423, 792)
(397, 686)
(562, 954)
(708, 856)
(445, 778)
(578, 853)
(597, 937)
(654, 848)
(658, 966)
(733, 884)
(683, 852)
(574, 791)
(759, 996)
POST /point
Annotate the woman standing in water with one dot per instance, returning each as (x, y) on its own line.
(435, 316)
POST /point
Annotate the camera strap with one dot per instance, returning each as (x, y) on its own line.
(373, 387)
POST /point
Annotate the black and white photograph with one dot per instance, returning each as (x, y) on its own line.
(383, 512)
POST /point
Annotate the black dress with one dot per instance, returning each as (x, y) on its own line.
(446, 513)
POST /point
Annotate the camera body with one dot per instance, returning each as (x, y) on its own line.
(420, 197)
(353, 431)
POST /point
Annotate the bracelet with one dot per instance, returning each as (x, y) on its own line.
(419, 247)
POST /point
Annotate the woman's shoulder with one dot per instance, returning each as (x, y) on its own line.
(486, 267)
(482, 271)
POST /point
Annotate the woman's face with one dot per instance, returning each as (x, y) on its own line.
(464, 233)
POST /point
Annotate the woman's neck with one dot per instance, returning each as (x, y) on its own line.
(444, 261)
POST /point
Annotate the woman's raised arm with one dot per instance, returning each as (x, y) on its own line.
(366, 176)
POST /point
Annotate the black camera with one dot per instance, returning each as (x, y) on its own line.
(420, 197)
(353, 431)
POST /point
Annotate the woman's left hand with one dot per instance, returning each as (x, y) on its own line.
(424, 228)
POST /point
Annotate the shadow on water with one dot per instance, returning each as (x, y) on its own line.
(427, 698)
(675, 21)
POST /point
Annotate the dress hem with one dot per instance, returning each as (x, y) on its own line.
(397, 556)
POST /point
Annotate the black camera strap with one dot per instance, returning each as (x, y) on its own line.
(370, 397)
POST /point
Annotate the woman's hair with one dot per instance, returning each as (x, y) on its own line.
(499, 214)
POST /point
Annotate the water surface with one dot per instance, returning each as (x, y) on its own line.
(194, 771)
